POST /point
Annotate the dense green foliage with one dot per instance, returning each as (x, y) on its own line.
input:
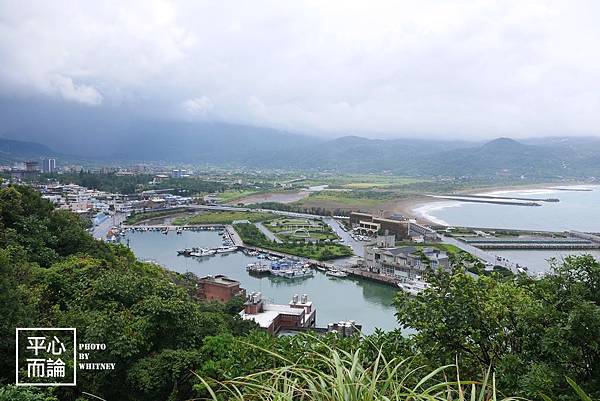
(338, 375)
(138, 217)
(532, 333)
(54, 274)
(130, 184)
(319, 251)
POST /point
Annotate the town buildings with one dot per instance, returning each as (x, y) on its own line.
(367, 224)
(219, 288)
(299, 313)
(408, 262)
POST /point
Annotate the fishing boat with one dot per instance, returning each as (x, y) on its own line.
(413, 287)
(293, 273)
(226, 249)
(185, 252)
(258, 268)
(336, 273)
(203, 252)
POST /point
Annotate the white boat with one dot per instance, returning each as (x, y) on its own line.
(203, 252)
(413, 287)
(226, 249)
(258, 268)
(336, 273)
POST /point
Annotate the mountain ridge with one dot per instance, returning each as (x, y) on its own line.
(255, 147)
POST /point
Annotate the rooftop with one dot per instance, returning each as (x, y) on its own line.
(221, 280)
(270, 313)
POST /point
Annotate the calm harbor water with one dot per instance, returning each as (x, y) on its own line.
(336, 299)
(577, 210)
(537, 260)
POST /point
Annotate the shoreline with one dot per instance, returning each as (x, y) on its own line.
(419, 206)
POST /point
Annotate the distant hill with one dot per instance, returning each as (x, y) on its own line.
(13, 150)
(207, 143)
(502, 156)
(237, 145)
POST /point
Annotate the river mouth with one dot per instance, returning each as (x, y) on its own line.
(368, 303)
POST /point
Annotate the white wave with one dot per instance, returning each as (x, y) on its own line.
(425, 211)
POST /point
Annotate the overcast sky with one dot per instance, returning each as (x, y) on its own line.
(469, 69)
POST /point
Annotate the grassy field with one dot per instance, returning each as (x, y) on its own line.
(361, 181)
(448, 248)
(138, 217)
(253, 237)
(223, 217)
(314, 228)
(341, 199)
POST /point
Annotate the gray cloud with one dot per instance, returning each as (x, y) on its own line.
(381, 68)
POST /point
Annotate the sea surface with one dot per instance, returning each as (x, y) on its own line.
(576, 210)
(366, 302)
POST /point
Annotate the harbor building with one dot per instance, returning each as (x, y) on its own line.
(299, 313)
(219, 288)
(368, 224)
(406, 261)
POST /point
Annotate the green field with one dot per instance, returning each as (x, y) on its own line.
(253, 237)
(284, 229)
(347, 199)
(361, 181)
(448, 248)
(138, 217)
(223, 217)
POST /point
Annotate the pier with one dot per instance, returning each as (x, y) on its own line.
(510, 198)
(475, 199)
(351, 267)
(572, 243)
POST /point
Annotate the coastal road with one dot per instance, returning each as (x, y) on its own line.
(101, 229)
(357, 246)
(268, 233)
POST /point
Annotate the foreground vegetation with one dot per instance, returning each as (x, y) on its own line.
(319, 251)
(530, 335)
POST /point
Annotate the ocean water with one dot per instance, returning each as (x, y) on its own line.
(366, 302)
(577, 210)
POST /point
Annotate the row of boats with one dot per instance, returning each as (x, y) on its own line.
(290, 269)
(201, 252)
(227, 247)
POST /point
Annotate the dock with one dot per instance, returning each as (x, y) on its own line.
(352, 269)
(569, 243)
